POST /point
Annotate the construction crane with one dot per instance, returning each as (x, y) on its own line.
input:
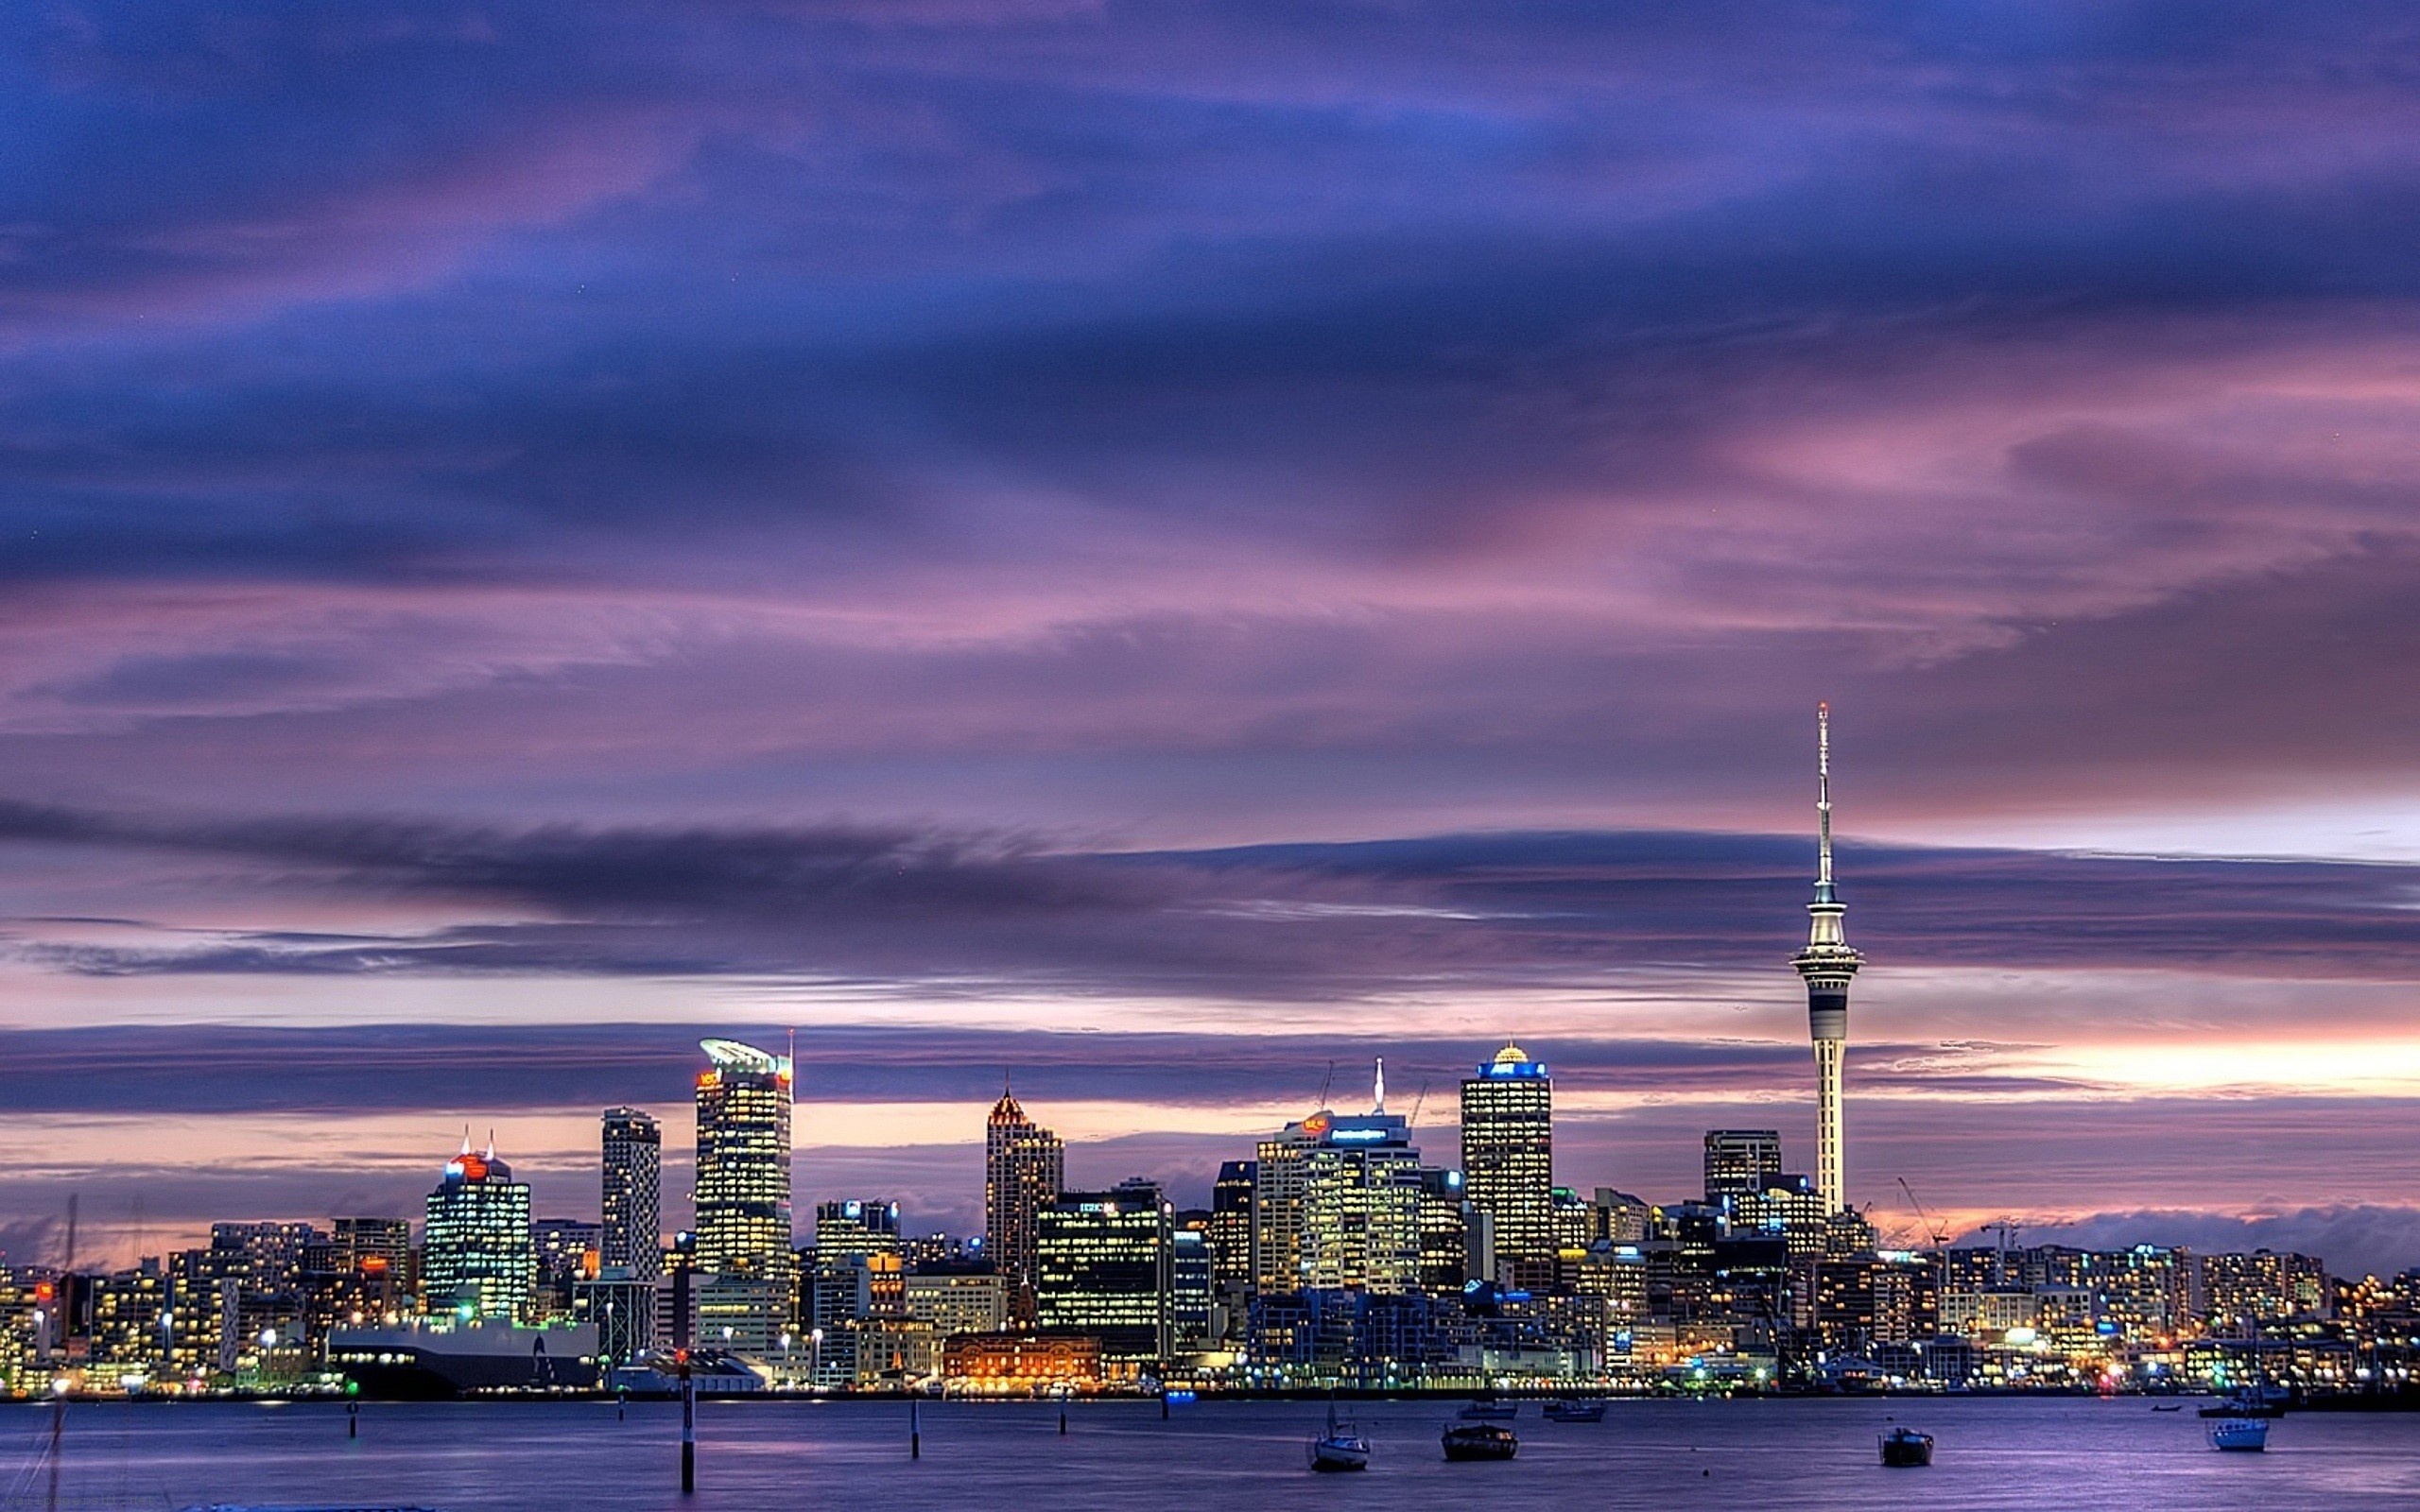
(1932, 1227)
(1413, 1122)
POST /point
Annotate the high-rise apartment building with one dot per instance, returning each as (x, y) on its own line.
(633, 1242)
(274, 1251)
(1508, 1159)
(1024, 1167)
(2240, 1291)
(478, 1258)
(1105, 1266)
(1740, 1160)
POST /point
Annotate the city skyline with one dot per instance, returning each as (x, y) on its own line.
(1153, 549)
(1337, 1254)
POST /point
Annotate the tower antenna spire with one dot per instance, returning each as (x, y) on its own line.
(1378, 1088)
(1823, 791)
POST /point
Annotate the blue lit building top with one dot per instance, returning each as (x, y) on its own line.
(1513, 1063)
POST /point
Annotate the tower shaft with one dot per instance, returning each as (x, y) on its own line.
(1828, 1128)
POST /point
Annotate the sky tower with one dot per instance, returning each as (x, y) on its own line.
(1826, 964)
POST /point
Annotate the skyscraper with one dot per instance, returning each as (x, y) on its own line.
(1508, 1158)
(1740, 1160)
(479, 1261)
(633, 1238)
(1024, 1167)
(1106, 1266)
(1826, 965)
(744, 1162)
(1347, 1186)
(1230, 1225)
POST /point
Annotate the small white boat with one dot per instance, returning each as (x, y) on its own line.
(1487, 1407)
(2242, 1435)
(1341, 1447)
(1576, 1410)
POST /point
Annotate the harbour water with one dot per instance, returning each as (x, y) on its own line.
(1806, 1455)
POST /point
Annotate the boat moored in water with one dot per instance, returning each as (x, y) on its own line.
(1905, 1446)
(1464, 1441)
(1487, 1407)
(2242, 1435)
(1341, 1447)
(1576, 1410)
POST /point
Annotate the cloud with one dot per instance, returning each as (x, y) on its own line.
(934, 906)
(2356, 1239)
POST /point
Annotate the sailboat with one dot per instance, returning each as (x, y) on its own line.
(2241, 1435)
(1341, 1447)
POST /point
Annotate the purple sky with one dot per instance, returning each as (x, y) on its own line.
(1160, 545)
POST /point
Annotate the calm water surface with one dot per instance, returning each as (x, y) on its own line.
(1811, 1454)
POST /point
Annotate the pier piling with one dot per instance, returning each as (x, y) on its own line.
(688, 1430)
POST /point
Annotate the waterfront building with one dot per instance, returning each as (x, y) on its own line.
(1508, 1162)
(28, 1326)
(1739, 1161)
(956, 1299)
(633, 1236)
(1827, 966)
(131, 1323)
(1024, 1167)
(1020, 1365)
(1105, 1266)
(478, 1260)
(438, 1359)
